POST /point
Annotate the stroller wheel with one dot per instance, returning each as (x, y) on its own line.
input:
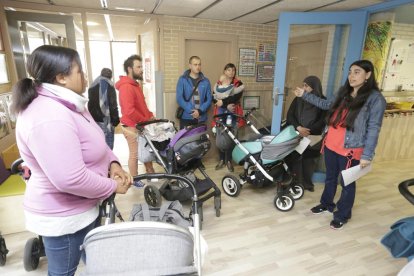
(152, 195)
(31, 254)
(284, 202)
(297, 191)
(231, 185)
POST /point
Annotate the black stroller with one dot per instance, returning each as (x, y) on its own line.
(180, 155)
(144, 247)
(263, 163)
(34, 248)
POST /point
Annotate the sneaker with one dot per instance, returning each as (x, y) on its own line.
(138, 184)
(336, 224)
(220, 165)
(319, 209)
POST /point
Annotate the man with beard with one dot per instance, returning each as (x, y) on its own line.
(134, 110)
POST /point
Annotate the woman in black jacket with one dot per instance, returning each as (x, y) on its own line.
(307, 120)
(103, 105)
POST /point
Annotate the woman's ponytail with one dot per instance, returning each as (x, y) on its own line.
(24, 92)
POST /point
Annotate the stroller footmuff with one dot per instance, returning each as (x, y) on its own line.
(182, 155)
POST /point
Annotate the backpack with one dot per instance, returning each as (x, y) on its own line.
(170, 212)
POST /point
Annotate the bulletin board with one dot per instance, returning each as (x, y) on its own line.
(400, 66)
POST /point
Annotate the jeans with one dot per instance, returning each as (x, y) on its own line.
(63, 253)
(335, 163)
(109, 134)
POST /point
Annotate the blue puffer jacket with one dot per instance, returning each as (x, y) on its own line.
(185, 88)
(367, 124)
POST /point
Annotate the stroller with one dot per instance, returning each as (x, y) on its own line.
(400, 240)
(144, 247)
(34, 248)
(180, 155)
(263, 164)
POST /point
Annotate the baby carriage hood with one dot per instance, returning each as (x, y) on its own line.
(160, 132)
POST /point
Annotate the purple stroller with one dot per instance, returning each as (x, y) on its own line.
(180, 155)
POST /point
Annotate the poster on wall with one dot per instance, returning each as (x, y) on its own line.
(265, 72)
(148, 70)
(266, 52)
(4, 126)
(247, 62)
(7, 104)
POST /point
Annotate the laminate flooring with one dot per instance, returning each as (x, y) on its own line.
(251, 237)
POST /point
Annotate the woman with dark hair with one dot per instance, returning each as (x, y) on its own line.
(307, 120)
(72, 168)
(227, 94)
(354, 123)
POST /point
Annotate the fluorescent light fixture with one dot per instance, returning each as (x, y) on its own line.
(104, 4)
(125, 9)
(91, 23)
(34, 27)
(9, 9)
(109, 26)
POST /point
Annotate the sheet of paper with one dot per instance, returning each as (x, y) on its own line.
(353, 173)
(303, 144)
(314, 139)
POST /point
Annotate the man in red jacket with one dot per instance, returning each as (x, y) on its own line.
(133, 108)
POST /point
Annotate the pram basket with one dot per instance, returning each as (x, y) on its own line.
(145, 247)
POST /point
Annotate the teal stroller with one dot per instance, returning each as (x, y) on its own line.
(262, 160)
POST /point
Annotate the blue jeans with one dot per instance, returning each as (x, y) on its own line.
(109, 134)
(63, 252)
(335, 163)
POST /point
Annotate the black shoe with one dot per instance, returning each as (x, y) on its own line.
(310, 189)
(336, 224)
(319, 209)
(220, 165)
(230, 166)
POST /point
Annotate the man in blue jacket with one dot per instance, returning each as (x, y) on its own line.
(193, 94)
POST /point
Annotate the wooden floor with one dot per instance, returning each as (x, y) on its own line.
(251, 237)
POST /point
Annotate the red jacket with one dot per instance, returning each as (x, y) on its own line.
(132, 102)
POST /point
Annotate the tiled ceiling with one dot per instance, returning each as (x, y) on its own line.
(252, 11)
(126, 26)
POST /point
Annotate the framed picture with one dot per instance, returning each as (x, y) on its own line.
(4, 75)
(265, 72)
(266, 52)
(247, 62)
(250, 102)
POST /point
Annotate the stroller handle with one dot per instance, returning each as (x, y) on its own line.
(141, 125)
(15, 166)
(403, 188)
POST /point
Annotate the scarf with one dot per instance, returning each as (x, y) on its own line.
(74, 99)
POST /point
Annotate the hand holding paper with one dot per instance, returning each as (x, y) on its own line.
(352, 174)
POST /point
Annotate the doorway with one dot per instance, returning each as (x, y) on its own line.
(214, 54)
(306, 56)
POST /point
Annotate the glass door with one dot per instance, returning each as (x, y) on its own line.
(319, 44)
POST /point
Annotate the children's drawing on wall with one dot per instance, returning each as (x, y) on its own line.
(376, 46)
(4, 128)
(12, 118)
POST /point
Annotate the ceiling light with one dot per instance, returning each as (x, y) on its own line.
(9, 9)
(91, 23)
(125, 9)
(147, 20)
(109, 26)
(104, 4)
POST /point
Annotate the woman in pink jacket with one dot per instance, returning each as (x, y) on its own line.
(72, 167)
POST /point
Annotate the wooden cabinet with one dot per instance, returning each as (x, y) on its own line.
(396, 140)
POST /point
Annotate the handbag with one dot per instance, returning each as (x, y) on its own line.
(180, 111)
